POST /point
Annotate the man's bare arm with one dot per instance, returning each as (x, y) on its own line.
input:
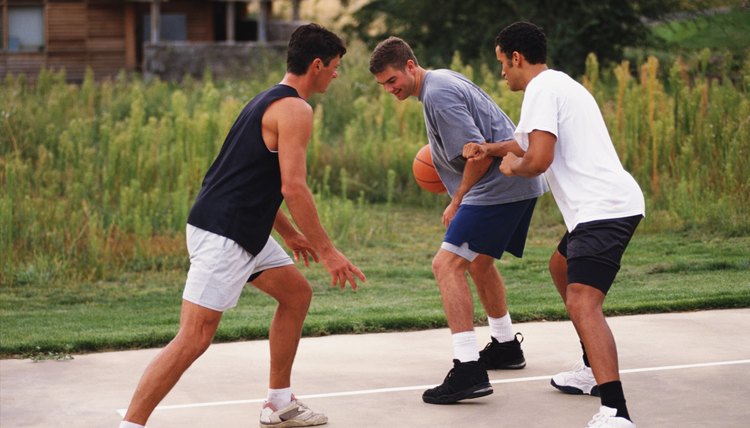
(294, 118)
(473, 172)
(536, 160)
(497, 149)
(295, 241)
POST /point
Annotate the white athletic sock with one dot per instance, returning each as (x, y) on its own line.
(501, 328)
(280, 398)
(465, 346)
(126, 424)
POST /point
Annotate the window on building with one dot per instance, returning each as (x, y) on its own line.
(25, 28)
(173, 27)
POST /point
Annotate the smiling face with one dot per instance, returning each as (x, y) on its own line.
(511, 73)
(400, 83)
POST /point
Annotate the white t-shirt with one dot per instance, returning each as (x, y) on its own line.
(586, 177)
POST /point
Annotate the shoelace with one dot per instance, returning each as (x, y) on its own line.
(307, 413)
(449, 375)
(599, 420)
(445, 381)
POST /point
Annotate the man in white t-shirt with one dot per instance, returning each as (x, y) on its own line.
(562, 135)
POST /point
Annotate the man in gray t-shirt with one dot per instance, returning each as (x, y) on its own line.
(488, 213)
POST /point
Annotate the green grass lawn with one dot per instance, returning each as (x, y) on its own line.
(662, 272)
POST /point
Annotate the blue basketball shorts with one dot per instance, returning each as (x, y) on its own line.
(489, 229)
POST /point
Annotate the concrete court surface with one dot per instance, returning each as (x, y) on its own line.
(679, 370)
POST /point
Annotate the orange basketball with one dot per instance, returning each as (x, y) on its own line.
(425, 173)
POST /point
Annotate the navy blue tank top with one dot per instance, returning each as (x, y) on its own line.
(241, 192)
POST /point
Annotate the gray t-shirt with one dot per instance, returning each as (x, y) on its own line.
(457, 112)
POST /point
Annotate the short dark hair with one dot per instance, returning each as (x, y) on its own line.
(312, 41)
(524, 38)
(393, 52)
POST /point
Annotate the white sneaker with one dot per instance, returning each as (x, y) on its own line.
(606, 419)
(579, 380)
(295, 414)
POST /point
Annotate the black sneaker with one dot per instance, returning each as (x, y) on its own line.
(503, 356)
(465, 380)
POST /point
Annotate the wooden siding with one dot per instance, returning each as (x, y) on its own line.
(100, 34)
(21, 63)
(66, 28)
(105, 40)
(23, 2)
(200, 29)
(199, 14)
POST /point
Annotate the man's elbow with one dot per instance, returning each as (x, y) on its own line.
(293, 190)
(539, 169)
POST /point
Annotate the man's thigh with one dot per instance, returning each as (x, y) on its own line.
(283, 282)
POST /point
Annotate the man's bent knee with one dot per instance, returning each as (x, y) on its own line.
(198, 325)
(582, 299)
(481, 264)
(301, 297)
(287, 286)
(190, 345)
(446, 262)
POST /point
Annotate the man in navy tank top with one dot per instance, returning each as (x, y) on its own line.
(261, 164)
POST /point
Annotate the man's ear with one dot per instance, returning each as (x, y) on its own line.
(410, 66)
(316, 65)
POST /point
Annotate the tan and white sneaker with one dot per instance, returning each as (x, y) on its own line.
(295, 414)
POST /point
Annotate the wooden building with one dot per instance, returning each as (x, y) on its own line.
(110, 35)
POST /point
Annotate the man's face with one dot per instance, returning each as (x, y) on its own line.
(400, 83)
(327, 74)
(510, 73)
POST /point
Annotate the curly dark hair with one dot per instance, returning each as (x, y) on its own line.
(312, 41)
(524, 38)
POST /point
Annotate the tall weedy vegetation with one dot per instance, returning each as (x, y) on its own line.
(685, 138)
(98, 178)
(101, 175)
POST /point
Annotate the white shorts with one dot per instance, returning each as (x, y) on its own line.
(220, 268)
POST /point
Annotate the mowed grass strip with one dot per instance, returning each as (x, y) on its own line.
(661, 272)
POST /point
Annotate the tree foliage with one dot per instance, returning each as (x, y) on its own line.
(437, 29)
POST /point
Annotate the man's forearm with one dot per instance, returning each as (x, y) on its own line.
(282, 224)
(522, 168)
(501, 148)
(302, 208)
(473, 172)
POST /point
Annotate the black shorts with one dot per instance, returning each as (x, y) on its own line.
(594, 249)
